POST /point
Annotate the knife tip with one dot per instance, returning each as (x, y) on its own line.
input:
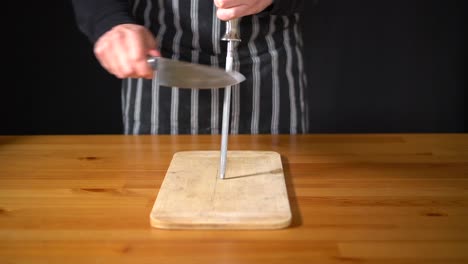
(239, 77)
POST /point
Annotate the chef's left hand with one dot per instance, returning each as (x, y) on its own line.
(230, 9)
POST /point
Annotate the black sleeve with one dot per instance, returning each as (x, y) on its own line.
(95, 17)
(285, 7)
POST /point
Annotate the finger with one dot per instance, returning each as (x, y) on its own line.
(152, 46)
(123, 51)
(139, 49)
(110, 49)
(132, 54)
(232, 12)
(103, 52)
(153, 51)
(121, 60)
(227, 3)
(230, 9)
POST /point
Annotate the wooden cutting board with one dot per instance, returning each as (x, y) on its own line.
(253, 194)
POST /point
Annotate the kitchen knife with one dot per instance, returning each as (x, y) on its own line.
(182, 74)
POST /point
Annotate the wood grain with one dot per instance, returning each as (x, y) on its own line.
(252, 195)
(360, 198)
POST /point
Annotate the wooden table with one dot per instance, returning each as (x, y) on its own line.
(382, 198)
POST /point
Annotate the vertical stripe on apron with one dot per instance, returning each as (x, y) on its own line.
(155, 87)
(135, 6)
(302, 76)
(235, 98)
(154, 106)
(292, 88)
(256, 77)
(147, 20)
(215, 39)
(137, 107)
(275, 92)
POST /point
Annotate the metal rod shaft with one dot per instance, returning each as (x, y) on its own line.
(232, 36)
(226, 111)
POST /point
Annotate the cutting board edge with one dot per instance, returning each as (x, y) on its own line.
(162, 223)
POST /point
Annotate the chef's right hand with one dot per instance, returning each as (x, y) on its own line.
(123, 51)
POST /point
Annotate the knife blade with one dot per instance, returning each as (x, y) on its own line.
(183, 74)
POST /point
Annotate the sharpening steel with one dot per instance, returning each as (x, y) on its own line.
(232, 36)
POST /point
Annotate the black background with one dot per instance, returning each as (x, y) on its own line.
(373, 67)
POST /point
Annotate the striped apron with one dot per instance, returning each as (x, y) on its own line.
(272, 99)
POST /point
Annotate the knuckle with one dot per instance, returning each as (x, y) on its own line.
(220, 3)
(98, 51)
(118, 35)
(100, 47)
(126, 72)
